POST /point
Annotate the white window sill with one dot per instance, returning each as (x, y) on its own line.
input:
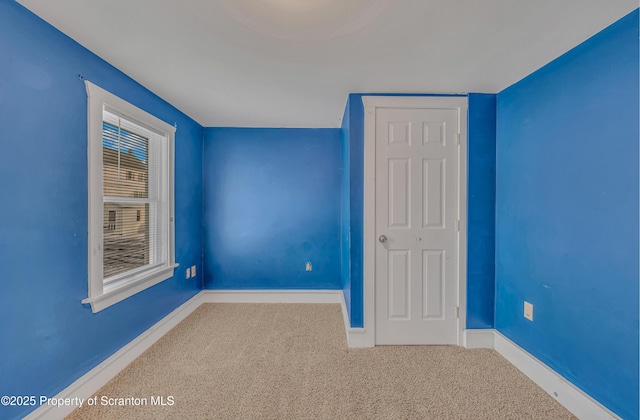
(115, 293)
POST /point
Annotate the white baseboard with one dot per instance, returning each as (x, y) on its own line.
(345, 316)
(271, 296)
(570, 396)
(479, 339)
(359, 338)
(91, 382)
(356, 337)
(567, 394)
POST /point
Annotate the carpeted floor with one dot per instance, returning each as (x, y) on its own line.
(291, 361)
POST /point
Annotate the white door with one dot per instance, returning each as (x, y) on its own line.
(416, 223)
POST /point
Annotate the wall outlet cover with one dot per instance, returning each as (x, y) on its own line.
(528, 311)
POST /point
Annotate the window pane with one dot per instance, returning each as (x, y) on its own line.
(126, 237)
(125, 168)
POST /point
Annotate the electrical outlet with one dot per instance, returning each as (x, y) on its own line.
(188, 273)
(193, 271)
(528, 311)
(308, 266)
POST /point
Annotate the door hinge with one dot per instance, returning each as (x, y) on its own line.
(458, 140)
(457, 225)
(457, 312)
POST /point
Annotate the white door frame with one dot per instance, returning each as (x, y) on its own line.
(369, 228)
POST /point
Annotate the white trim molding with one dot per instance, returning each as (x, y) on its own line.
(570, 396)
(271, 296)
(356, 337)
(91, 382)
(104, 106)
(371, 103)
(479, 339)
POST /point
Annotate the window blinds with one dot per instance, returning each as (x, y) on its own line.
(135, 197)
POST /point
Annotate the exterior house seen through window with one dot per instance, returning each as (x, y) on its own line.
(127, 246)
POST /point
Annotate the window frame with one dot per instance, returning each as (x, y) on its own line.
(101, 295)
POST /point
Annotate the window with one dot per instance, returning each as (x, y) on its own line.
(111, 225)
(130, 217)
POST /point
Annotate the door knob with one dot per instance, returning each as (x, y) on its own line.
(382, 238)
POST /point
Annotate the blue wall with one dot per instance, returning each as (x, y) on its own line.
(49, 339)
(345, 209)
(481, 199)
(567, 215)
(356, 208)
(272, 203)
(481, 196)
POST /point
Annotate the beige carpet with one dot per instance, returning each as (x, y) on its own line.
(291, 361)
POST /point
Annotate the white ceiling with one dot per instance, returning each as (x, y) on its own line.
(291, 63)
